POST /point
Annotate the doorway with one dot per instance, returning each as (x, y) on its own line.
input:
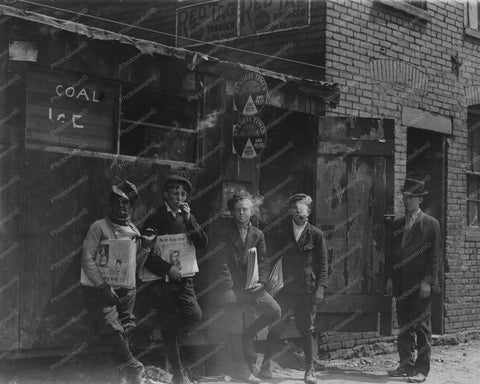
(426, 161)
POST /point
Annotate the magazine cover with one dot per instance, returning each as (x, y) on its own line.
(177, 250)
(115, 260)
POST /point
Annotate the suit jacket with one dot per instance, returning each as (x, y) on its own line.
(304, 263)
(419, 259)
(166, 224)
(231, 261)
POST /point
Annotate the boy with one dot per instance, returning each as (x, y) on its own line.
(177, 299)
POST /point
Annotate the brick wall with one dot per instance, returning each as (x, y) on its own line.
(360, 31)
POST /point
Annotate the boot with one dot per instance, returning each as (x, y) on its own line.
(134, 371)
(308, 351)
(131, 367)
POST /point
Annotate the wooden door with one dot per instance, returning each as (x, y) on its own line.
(354, 191)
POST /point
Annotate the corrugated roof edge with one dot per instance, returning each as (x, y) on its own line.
(328, 90)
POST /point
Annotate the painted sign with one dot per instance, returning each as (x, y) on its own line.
(249, 137)
(229, 19)
(250, 94)
(70, 110)
(262, 16)
(210, 21)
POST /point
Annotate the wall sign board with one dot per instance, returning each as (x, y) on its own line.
(250, 94)
(249, 137)
(70, 110)
(229, 19)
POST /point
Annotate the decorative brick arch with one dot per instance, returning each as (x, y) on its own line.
(399, 72)
(472, 95)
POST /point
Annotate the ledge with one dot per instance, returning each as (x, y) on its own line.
(472, 234)
(411, 10)
(472, 33)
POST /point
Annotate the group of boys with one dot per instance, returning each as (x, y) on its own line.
(297, 246)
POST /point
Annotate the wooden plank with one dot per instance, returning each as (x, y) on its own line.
(357, 147)
(12, 178)
(331, 211)
(359, 223)
(378, 222)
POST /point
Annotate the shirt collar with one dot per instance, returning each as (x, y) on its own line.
(242, 228)
(415, 214)
(299, 227)
(174, 213)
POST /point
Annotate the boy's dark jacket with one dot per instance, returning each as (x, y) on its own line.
(166, 224)
(231, 264)
(304, 263)
(419, 260)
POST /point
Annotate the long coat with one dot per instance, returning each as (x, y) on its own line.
(233, 255)
(304, 263)
(418, 260)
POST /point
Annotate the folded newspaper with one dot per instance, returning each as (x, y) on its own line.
(177, 250)
(116, 261)
(252, 268)
(275, 281)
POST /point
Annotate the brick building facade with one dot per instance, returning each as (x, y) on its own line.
(414, 62)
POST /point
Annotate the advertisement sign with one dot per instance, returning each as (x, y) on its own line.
(249, 137)
(209, 21)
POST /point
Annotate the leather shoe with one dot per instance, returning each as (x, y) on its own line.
(401, 371)
(418, 378)
(310, 376)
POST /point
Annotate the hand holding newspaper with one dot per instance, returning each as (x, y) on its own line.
(177, 250)
(116, 262)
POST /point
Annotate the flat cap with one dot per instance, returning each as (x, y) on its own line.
(298, 197)
(180, 180)
(126, 190)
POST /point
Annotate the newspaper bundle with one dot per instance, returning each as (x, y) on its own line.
(252, 268)
(116, 261)
(177, 250)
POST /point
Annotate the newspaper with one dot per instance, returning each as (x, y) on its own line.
(116, 261)
(252, 268)
(275, 281)
(177, 250)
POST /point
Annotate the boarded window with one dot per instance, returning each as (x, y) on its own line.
(473, 166)
(472, 10)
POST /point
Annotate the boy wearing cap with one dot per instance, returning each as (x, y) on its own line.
(110, 308)
(176, 295)
(412, 273)
(301, 246)
(241, 238)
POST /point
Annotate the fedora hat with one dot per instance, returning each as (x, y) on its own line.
(413, 187)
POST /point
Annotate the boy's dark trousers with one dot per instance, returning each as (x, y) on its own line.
(178, 308)
(302, 306)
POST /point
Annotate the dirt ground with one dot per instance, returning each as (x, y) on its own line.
(458, 364)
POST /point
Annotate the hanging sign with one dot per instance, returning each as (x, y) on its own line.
(250, 94)
(249, 137)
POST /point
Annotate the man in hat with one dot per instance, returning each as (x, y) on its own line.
(176, 295)
(412, 274)
(302, 249)
(110, 307)
(243, 241)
